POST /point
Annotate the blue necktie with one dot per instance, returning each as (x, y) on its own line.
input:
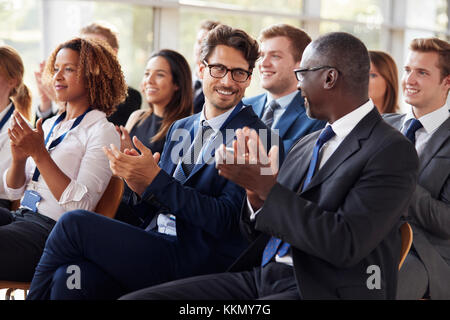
(410, 133)
(272, 246)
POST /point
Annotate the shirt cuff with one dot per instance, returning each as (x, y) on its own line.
(250, 210)
(74, 192)
(13, 194)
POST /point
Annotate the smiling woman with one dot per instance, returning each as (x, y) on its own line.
(167, 87)
(60, 165)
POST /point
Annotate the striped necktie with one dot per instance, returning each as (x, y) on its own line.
(190, 159)
(267, 117)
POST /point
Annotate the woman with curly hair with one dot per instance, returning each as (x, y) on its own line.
(167, 87)
(60, 165)
(14, 95)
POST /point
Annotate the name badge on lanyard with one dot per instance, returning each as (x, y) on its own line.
(31, 198)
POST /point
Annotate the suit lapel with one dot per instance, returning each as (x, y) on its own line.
(259, 105)
(395, 120)
(307, 155)
(191, 126)
(433, 145)
(243, 118)
(293, 111)
(297, 162)
(347, 148)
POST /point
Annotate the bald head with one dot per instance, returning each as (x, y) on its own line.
(346, 53)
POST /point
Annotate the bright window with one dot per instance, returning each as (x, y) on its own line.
(134, 24)
(20, 27)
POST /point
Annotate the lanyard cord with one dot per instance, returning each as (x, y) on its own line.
(58, 140)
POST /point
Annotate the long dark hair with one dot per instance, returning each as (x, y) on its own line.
(181, 104)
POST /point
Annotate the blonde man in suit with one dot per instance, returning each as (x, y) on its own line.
(425, 83)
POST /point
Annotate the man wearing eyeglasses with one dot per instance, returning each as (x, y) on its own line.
(327, 226)
(192, 212)
(282, 107)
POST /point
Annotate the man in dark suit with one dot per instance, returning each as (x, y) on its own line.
(328, 226)
(282, 107)
(425, 83)
(199, 97)
(193, 212)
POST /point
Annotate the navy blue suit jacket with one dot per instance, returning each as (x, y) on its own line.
(206, 206)
(293, 124)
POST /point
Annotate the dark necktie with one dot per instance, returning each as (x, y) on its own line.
(197, 85)
(267, 117)
(410, 133)
(271, 248)
(190, 158)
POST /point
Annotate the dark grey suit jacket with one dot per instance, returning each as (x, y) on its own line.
(430, 208)
(346, 219)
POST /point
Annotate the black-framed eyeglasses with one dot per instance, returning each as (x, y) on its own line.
(219, 71)
(299, 72)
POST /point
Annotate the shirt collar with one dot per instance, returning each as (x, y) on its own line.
(431, 121)
(283, 101)
(216, 122)
(343, 126)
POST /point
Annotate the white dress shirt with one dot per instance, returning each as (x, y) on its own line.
(81, 158)
(5, 149)
(341, 127)
(167, 222)
(431, 122)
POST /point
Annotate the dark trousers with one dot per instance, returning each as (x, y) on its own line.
(113, 258)
(275, 281)
(412, 278)
(6, 204)
(22, 239)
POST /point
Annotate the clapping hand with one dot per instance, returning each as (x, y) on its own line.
(25, 141)
(138, 170)
(251, 167)
(125, 139)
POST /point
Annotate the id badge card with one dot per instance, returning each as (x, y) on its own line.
(30, 200)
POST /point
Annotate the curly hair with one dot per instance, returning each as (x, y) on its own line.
(101, 70)
(11, 68)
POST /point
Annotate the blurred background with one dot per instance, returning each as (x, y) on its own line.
(35, 27)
